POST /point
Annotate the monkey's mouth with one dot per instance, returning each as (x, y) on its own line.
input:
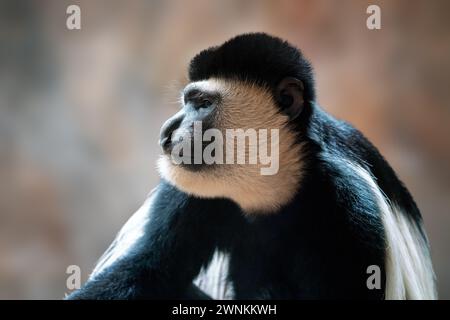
(187, 154)
(170, 143)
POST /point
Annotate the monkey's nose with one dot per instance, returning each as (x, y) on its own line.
(165, 144)
(168, 128)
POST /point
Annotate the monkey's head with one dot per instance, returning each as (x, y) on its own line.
(238, 133)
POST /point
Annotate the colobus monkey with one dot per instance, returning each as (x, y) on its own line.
(333, 210)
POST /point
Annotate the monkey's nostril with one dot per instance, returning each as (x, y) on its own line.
(168, 129)
(165, 143)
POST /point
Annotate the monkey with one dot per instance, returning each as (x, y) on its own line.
(333, 209)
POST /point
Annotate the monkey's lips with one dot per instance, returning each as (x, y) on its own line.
(175, 154)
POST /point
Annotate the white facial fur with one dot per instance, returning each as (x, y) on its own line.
(244, 106)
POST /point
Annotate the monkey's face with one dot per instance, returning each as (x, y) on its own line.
(231, 139)
(237, 133)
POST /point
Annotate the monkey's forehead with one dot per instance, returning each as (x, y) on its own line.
(227, 88)
(255, 57)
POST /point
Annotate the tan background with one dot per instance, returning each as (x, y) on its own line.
(80, 111)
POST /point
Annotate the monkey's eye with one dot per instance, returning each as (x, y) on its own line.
(206, 103)
(200, 99)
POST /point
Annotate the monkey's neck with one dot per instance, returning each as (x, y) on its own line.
(266, 194)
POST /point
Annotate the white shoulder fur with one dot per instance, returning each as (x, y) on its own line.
(214, 278)
(127, 237)
(409, 271)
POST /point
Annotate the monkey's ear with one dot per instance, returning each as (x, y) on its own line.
(289, 95)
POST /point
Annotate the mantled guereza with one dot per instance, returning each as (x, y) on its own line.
(330, 210)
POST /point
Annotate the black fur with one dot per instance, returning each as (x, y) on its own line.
(254, 57)
(317, 246)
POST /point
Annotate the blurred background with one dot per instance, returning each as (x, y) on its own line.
(80, 111)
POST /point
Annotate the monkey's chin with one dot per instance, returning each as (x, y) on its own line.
(195, 179)
(244, 185)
